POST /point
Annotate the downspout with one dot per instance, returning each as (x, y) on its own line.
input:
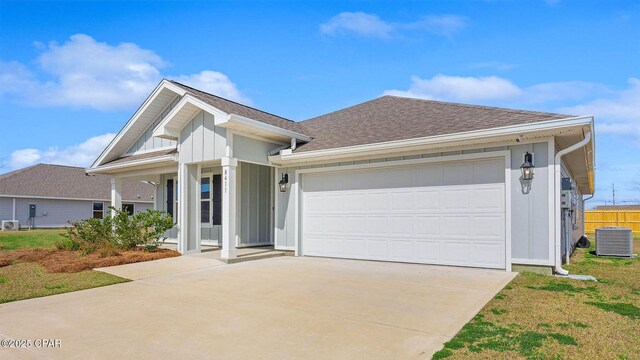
(557, 211)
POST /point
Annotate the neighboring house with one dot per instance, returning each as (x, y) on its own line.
(617, 207)
(394, 179)
(57, 194)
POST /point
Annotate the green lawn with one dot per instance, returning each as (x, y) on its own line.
(29, 280)
(25, 280)
(543, 317)
(30, 239)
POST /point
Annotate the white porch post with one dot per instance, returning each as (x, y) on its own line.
(183, 232)
(116, 194)
(229, 231)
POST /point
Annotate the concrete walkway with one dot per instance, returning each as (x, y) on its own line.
(279, 308)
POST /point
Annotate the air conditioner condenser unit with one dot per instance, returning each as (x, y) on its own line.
(614, 241)
(8, 225)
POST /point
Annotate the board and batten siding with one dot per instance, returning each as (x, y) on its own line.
(254, 204)
(147, 142)
(56, 213)
(201, 141)
(252, 150)
(529, 211)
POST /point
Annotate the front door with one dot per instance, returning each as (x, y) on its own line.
(211, 209)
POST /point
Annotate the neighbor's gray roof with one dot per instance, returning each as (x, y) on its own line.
(390, 118)
(232, 107)
(68, 182)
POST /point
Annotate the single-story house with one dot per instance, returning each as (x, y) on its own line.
(49, 196)
(392, 179)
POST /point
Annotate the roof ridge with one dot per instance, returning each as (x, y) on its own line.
(17, 171)
(235, 102)
(476, 106)
(340, 110)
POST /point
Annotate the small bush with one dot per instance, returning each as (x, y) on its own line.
(118, 232)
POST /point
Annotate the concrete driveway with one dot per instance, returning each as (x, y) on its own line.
(279, 308)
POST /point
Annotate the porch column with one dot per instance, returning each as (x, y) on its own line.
(116, 194)
(229, 230)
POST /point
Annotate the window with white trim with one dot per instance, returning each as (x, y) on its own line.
(211, 200)
(98, 210)
(129, 209)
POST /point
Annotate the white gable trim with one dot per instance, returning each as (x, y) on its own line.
(164, 84)
(183, 112)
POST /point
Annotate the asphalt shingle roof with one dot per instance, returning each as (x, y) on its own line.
(68, 182)
(232, 107)
(390, 118)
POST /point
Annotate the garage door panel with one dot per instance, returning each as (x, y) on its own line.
(488, 254)
(427, 226)
(401, 225)
(427, 199)
(455, 225)
(377, 248)
(451, 214)
(488, 226)
(487, 199)
(402, 200)
(377, 225)
(457, 199)
(402, 249)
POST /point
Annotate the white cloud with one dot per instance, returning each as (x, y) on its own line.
(358, 23)
(497, 90)
(446, 25)
(370, 25)
(623, 105)
(457, 88)
(214, 82)
(82, 154)
(83, 72)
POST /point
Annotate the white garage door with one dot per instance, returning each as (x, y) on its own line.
(446, 213)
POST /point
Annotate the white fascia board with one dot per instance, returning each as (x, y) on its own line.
(164, 84)
(438, 140)
(169, 129)
(137, 201)
(136, 163)
(267, 129)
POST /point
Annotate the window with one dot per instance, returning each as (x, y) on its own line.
(205, 200)
(216, 203)
(172, 198)
(98, 210)
(129, 208)
(211, 200)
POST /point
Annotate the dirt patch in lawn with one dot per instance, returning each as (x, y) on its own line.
(65, 261)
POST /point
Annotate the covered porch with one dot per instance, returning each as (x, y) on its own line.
(222, 205)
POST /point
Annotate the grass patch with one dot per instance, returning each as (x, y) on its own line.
(629, 310)
(481, 335)
(30, 239)
(542, 317)
(30, 280)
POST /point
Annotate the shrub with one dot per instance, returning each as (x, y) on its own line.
(118, 232)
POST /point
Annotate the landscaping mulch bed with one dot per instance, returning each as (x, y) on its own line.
(65, 261)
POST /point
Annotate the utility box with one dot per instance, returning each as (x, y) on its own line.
(614, 241)
(32, 210)
(566, 199)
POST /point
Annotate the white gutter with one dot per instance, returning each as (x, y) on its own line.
(438, 140)
(557, 186)
(164, 158)
(14, 209)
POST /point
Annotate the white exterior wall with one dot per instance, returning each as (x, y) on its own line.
(529, 211)
(161, 196)
(54, 213)
(254, 200)
(252, 150)
(575, 222)
(201, 141)
(146, 142)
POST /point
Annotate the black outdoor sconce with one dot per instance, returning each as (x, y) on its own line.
(527, 167)
(283, 182)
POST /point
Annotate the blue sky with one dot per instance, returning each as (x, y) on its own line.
(72, 73)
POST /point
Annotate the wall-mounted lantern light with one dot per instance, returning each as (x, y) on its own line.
(283, 182)
(527, 167)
